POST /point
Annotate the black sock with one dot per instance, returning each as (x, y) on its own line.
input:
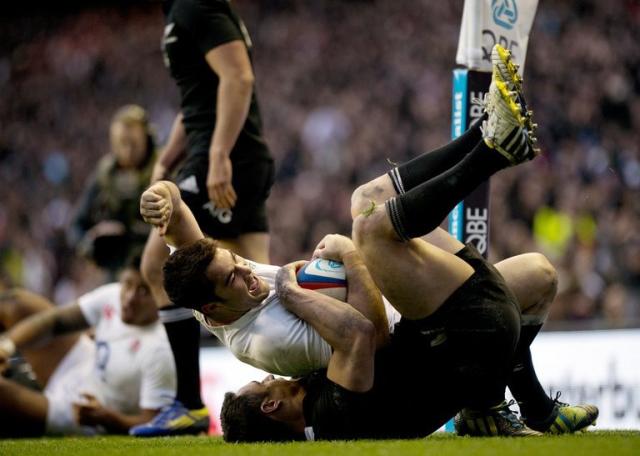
(184, 337)
(534, 403)
(421, 209)
(431, 164)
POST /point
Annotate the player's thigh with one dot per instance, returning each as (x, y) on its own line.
(416, 277)
(23, 412)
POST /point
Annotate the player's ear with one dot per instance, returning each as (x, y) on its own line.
(208, 307)
(269, 406)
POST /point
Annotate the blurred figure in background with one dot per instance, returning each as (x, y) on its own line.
(225, 178)
(122, 379)
(106, 226)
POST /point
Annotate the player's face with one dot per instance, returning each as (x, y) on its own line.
(273, 387)
(235, 283)
(136, 302)
(129, 143)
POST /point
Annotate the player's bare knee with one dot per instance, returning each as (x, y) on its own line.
(370, 225)
(376, 191)
(359, 200)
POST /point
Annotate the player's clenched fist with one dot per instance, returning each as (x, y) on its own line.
(157, 204)
(334, 247)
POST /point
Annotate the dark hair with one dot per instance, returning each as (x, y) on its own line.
(243, 421)
(134, 259)
(185, 275)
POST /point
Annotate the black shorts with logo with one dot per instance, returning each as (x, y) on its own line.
(251, 180)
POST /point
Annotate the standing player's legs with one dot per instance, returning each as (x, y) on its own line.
(187, 415)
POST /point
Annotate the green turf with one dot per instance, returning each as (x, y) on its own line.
(591, 443)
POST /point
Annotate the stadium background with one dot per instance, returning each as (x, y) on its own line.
(344, 87)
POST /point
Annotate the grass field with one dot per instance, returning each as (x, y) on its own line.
(617, 443)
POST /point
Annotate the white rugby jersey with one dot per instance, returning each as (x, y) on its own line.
(273, 339)
(134, 367)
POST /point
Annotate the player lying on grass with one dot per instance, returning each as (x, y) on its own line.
(121, 380)
(235, 299)
(460, 326)
(261, 332)
(253, 323)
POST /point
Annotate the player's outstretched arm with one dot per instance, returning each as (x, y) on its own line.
(351, 335)
(41, 326)
(363, 294)
(90, 412)
(162, 207)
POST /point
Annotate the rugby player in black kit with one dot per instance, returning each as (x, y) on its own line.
(225, 175)
(460, 333)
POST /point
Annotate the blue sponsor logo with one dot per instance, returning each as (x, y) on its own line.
(505, 13)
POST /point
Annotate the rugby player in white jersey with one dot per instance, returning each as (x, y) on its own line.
(236, 299)
(123, 378)
(461, 337)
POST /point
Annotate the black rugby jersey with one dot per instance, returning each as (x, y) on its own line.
(193, 28)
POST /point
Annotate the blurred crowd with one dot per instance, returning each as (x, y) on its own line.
(345, 88)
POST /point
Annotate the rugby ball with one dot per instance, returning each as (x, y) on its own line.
(324, 276)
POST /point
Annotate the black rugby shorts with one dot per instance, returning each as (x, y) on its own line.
(252, 181)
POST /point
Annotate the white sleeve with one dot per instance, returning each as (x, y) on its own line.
(158, 386)
(92, 303)
(279, 342)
